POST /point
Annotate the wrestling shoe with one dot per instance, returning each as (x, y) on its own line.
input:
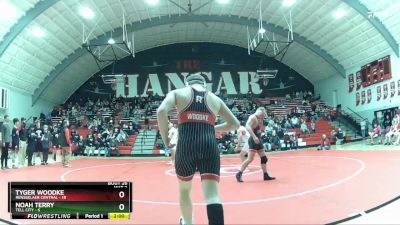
(239, 177)
(267, 177)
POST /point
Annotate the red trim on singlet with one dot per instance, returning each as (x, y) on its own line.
(196, 117)
(189, 178)
(256, 149)
(205, 102)
(209, 176)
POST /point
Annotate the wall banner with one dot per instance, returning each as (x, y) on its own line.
(351, 82)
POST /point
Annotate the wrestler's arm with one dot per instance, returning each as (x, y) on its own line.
(162, 116)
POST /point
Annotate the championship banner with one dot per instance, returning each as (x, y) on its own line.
(392, 89)
(363, 97)
(351, 82)
(358, 80)
(378, 93)
(398, 87)
(357, 98)
(369, 96)
(385, 91)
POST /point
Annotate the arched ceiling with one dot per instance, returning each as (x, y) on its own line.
(53, 66)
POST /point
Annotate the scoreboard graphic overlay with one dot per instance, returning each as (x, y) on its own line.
(70, 200)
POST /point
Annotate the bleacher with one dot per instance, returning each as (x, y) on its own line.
(280, 107)
(123, 150)
(322, 127)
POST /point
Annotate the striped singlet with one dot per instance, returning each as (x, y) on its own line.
(197, 146)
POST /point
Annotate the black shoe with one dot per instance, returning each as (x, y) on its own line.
(42, 164)
(30, 164)
(267, 177)
(239, 177)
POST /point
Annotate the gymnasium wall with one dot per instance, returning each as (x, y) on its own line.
(229, 70)
(336, 83)
(20, 105)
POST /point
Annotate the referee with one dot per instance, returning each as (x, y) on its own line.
(197, 146)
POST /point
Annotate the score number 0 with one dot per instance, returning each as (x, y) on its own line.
(121, 194)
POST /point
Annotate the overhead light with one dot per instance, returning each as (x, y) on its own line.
(223, 1)
(86, 12)
(7, 11)
(339, 13)
(152, 2)
(261, 30)
(111, 41)
(288, 3)
(38, 32)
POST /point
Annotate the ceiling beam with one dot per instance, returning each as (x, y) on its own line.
(365, 12)
(166, 20)
(24, 21)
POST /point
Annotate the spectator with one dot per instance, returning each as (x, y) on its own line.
(90, 145)
(15, 142)
(46, 144)
(381, 123)
(42, 117)
(313, 126)
(81, 146)
(333, 135)
(295, 122)
(65, 141)
(396, 133)
(56, 143)
(387, 122)
(74, 136)
(363, 125)
(288, 125)
(374, 121)
(340, 136)
(325, 143)
(39, 148)
(23, 138)
(235, 110)
(304, 128)
(275, 142)
(389, 135)
(313, 116)
(294, 141)
(131, 129)
(268, 130)
(374, 133)
(100, 144)
(121, 137)
(113, 146)
(221, 147)
(286, 141)
(6, 141)
(333, 114)
(32, 142)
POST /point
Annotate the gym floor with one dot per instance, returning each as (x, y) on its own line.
(312, 187)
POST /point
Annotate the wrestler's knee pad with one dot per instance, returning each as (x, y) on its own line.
(264, 160)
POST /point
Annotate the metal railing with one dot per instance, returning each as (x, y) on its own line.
(358, 115)
(351, 120)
